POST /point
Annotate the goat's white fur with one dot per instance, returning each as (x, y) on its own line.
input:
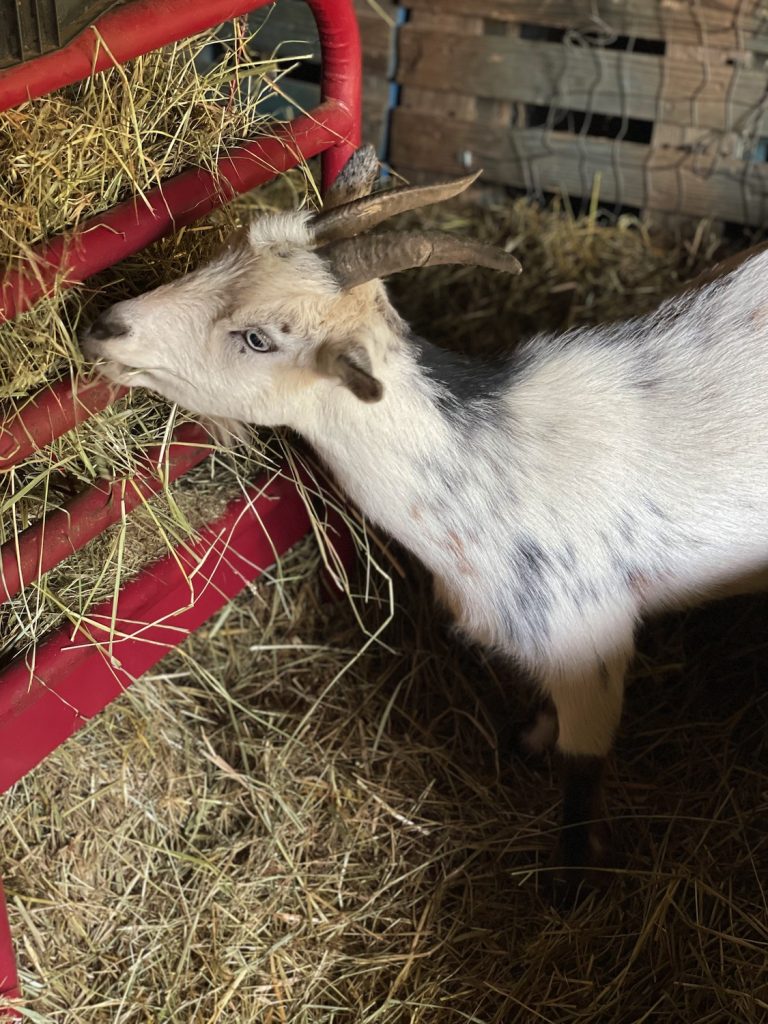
(623, 469)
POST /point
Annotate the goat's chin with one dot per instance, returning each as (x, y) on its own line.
(227, 433)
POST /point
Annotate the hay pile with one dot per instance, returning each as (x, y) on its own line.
(275, 826)
(78, 152)
(237, 840)
(577, 270)
(64, 158)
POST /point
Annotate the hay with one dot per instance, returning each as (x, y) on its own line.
(234, 841)
(577, 270)
(278, 826)
(78, 152)
(66, 157)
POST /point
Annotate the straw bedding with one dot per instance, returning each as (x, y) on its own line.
(240, 838)
(310, 813)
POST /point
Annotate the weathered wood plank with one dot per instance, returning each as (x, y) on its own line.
(718, 23)
(707, 185)
(706, 92)
(499, 67)
(439, 21)
(532, 158)
(708, 88)
(450, 104)
(537, 160)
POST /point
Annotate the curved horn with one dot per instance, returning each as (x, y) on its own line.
(357, 260)
(362, 214)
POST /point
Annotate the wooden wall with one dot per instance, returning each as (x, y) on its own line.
(662, 105)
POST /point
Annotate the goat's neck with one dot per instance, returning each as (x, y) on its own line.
(393, 458)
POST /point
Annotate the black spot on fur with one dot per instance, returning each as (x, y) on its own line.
(464, 384)
(568, 556)
(654, 509)
(628, 529)
(450, 479)
(648, 383)
(108, 325)
(532, 556)
(532, 597)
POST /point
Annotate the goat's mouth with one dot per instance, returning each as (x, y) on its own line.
(160, 379)
(124, 375)
(117, 373)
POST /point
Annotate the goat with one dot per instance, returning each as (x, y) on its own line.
(558, 495)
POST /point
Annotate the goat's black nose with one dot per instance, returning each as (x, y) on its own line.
(108, 325)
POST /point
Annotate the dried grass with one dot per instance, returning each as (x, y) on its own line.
(577, 270)
(278, 826)
(66, 157)
(236, 840)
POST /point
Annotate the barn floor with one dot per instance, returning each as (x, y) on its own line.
(242, 838)
(278, 827)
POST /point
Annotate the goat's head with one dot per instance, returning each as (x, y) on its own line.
(291, 306)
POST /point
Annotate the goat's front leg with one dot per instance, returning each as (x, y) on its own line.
(588, 702)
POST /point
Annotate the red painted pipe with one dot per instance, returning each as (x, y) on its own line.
(50, 413)
(48, 542)
(114, 38)
(145, 25)
(112, 236)
(47, 696)
(341, 76)
(116, 234)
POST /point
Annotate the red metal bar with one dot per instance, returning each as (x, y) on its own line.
(341, 76)
(43, 545)
(50, 413)
(70, 678)
(122, 231)
(106, 239)
(115, 38)
(45, 699)
(9, 983)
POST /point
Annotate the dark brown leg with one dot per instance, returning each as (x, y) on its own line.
(588, 705)
(584, 836)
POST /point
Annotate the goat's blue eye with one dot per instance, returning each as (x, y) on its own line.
(257, 340)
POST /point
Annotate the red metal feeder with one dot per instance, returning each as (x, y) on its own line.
(72, 675)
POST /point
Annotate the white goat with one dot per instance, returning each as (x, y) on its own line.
(557, 496)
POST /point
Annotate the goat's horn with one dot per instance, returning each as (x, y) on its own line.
(357, 260)
(362, 214)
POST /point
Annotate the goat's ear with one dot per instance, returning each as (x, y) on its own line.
(350, 364)
(356, 179)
